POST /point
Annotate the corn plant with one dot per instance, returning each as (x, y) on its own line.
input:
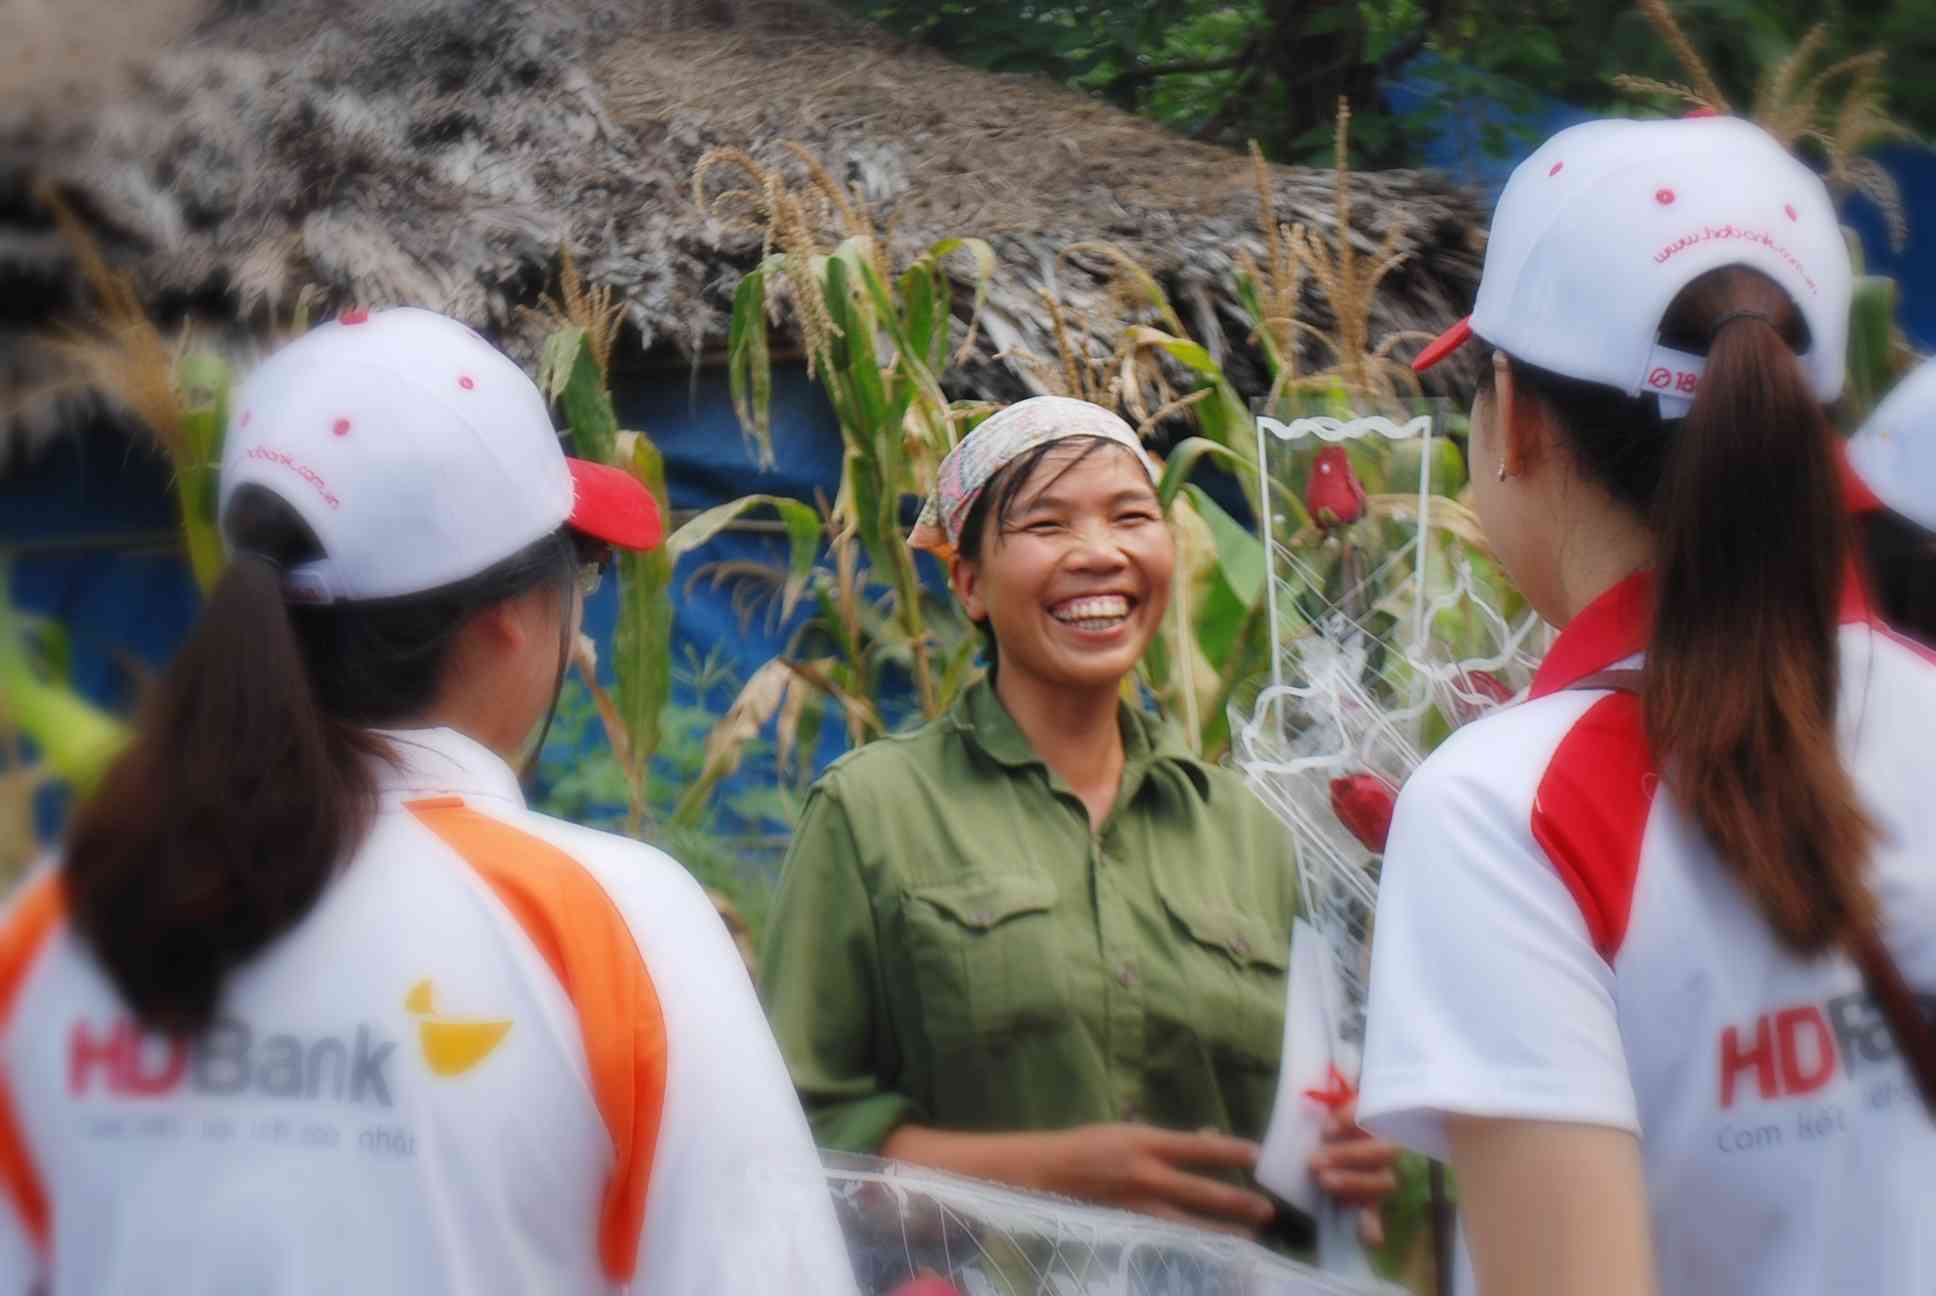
(878, 341)
(573, 373)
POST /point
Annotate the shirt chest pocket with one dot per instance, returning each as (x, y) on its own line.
(1232, 969)
(985, 957)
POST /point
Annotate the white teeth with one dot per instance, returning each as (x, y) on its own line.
(1095, 613)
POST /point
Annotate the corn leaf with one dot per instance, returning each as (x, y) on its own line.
(580, 387)
(1188, 453)
(204, 382)
(642, 642)
(749, 364)
(803, 537)
(758, 702)
(76, 739)
(984, 258)
(1240, 555)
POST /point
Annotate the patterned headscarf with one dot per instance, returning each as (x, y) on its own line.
(997, 443)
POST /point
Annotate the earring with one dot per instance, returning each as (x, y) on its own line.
(1502, 470)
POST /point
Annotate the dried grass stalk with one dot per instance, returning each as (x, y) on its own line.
(1706, 88)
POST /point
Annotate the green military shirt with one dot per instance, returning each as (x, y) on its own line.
(954, 946)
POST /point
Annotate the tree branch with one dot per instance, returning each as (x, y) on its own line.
(1137, 75)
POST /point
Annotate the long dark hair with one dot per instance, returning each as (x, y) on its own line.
(250, 778)
(1751, 551)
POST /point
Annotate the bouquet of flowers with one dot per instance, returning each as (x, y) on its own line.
(1391, 626)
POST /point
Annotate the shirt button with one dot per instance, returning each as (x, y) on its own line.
(984, 918)
(1126, 975)
(1243, 947)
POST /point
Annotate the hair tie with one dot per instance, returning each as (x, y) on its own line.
(1733, 316)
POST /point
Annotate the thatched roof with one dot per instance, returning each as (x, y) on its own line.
(441, 152)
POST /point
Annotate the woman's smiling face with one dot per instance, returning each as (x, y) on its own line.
(1075, 579)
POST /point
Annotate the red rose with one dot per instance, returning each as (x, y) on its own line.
(1363, 803)
(927, 1285)
(1335, 497)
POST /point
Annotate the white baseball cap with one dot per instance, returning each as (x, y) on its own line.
(1598, 231)
(1894, 453)
(419, 454)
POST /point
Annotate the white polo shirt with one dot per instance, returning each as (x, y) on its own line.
(502, 1055)
(1556, 941)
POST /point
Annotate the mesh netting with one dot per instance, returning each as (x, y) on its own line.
(985, 1240)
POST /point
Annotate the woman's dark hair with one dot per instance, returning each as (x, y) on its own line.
(1902, 569)
(249, 780)
(1751, 551)
(998, 501)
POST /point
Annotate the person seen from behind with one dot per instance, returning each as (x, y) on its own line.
(310, 1001)
(1893, 458)
(1645, 940)
(1036, 940)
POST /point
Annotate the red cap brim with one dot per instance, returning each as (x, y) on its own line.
(1444, 345)
(1857, 498)
(612, 505)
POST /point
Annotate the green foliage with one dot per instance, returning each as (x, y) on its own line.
(77, 740)
(1270, 70)
(203, 380)
(733, 848)
(878, 341)
(571, 373)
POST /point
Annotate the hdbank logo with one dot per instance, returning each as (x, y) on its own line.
(231, 1058)
(451, 1045)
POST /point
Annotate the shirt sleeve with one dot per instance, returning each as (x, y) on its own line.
(821, 980)
(738, 1199)
(1488, 997)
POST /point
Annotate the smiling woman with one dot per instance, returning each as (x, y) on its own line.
(1035, 940)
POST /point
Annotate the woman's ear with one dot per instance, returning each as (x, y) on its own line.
(964, 576)
(1520, 420)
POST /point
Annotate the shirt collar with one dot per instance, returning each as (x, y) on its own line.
(1618, 624)
(443, 762)
(980, 717)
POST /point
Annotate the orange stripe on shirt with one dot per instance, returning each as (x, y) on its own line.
(39, 911)
(584, 938)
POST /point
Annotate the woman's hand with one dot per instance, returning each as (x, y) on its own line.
(1153, 1171)
(1132, 1167)
(1357, 1169)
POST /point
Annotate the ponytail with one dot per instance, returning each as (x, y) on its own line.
(219, 827)
(1751, 552)
(251, 777)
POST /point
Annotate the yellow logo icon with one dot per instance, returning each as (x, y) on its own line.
(451, 1045)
